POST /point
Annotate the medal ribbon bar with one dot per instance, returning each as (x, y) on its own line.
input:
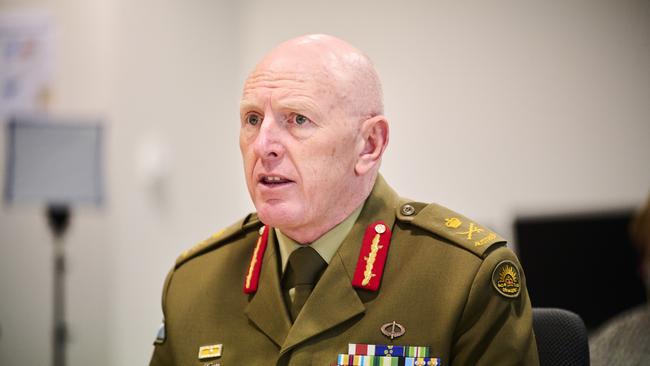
(388, 350)
(360, 360)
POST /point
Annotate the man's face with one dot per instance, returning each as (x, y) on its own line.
(298, 145)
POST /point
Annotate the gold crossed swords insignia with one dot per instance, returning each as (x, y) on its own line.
(455, 223)
(472, 229)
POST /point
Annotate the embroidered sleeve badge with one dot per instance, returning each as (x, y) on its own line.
(505, 279)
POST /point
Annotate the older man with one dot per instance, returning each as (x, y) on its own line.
(335, 267)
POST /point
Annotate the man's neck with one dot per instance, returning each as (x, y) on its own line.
(311, 233)
(326, 245)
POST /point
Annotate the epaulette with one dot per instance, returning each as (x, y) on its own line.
(219, 238)
(450, 225)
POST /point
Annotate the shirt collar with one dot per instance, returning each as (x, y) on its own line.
(326, 245)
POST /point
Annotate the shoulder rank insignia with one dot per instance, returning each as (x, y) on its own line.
(254, 268)
(505, 279)
(462, 231)
(372, 257)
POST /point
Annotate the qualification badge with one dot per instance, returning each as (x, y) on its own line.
(392, 330)
(211, 351)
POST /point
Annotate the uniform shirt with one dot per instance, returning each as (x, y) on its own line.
(326, 246)
(450, 283)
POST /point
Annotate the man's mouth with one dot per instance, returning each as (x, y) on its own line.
(274, 180)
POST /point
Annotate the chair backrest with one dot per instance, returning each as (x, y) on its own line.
(561, 337)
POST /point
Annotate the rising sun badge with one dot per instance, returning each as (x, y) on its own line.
(505, 279)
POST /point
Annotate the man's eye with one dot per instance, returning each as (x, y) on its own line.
(300, 119)
(253, 119)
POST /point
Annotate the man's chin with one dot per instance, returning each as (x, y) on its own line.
(277, 216)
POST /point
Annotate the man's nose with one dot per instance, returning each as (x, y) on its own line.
(268, 144)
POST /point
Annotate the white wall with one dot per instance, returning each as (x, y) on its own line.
(175, 89)
(163, 76)
(82, 87)
(497, 108)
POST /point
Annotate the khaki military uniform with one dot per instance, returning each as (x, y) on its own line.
(443, 282)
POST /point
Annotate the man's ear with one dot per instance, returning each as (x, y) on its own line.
(374, 135)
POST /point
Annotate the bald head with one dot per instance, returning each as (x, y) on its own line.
(342, 69)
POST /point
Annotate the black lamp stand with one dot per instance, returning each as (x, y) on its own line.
(58, 218)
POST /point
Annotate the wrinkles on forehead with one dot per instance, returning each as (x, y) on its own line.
(330, 67)
(275, 79)
(288, 90)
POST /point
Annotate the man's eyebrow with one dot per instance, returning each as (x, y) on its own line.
(246, 105)
(298, 104)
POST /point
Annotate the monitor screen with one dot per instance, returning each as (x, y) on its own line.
(585, 263)
(53, 161)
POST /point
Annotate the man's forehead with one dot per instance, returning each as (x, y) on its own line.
(303, 59)
(286, 82)
(322, 66)
(270, 77)
(295, 65)
(295, 78)
(286, 90)
(312, 52)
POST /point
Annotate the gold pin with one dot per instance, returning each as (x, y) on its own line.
(211, 351)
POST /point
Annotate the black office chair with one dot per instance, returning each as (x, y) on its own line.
(561, 337)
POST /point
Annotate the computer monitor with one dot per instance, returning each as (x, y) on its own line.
(585, 263)
(54, 161)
